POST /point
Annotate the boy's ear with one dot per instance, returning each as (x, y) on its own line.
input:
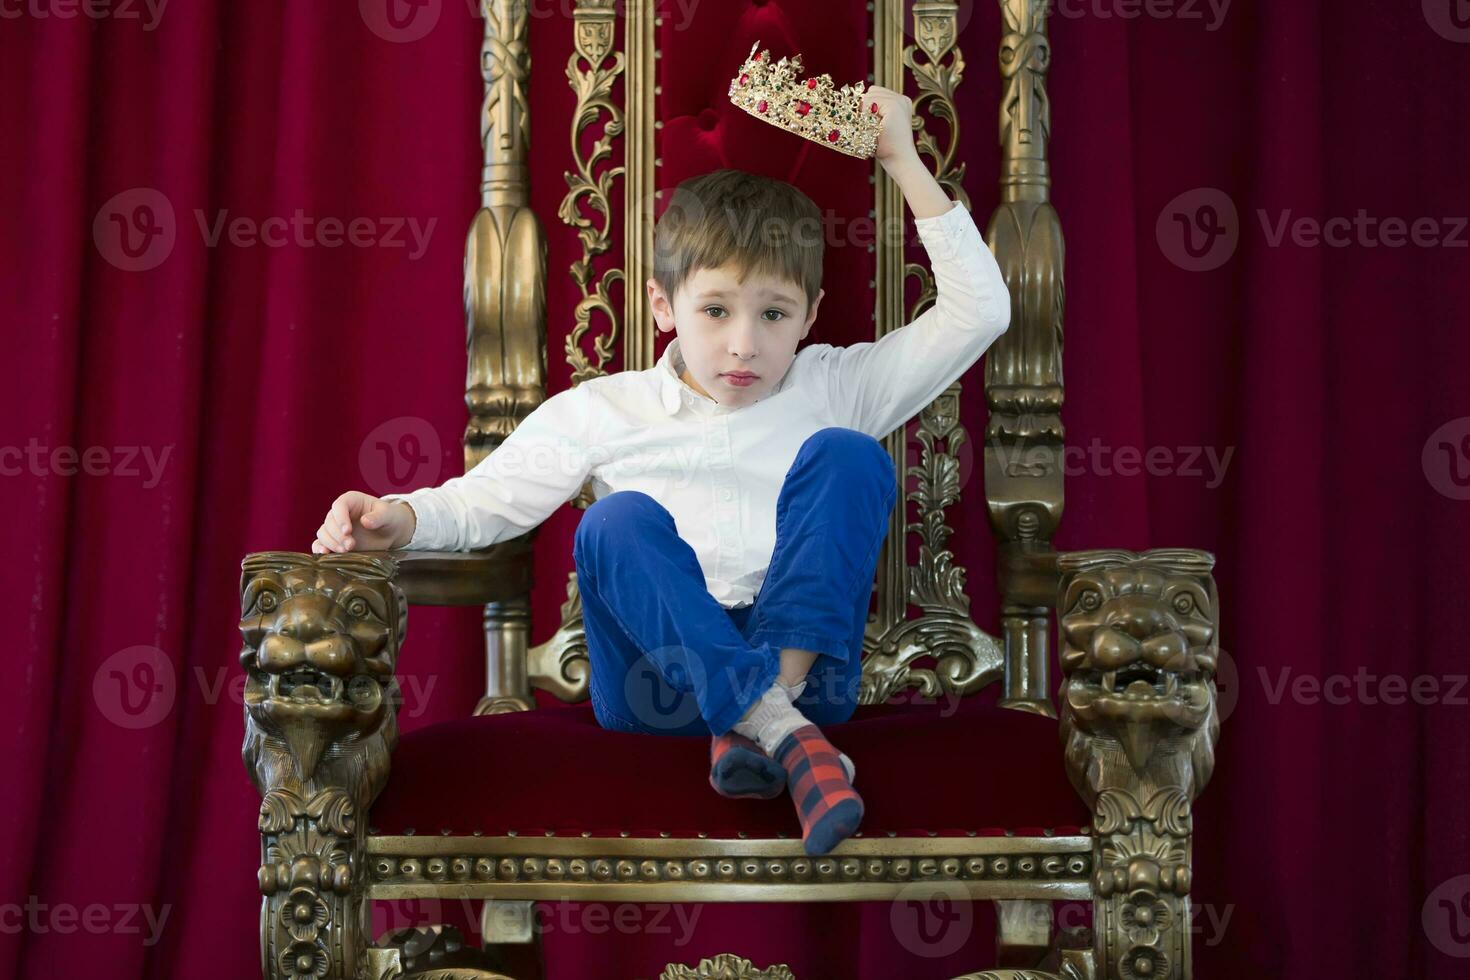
(659, 303)
(811, 314)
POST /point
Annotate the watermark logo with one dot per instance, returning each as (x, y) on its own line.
(1446, 917)
(1199, 230)
(933, 918)
(1363, 687)
(305, 231)
(150, 12)
(400, 454)
(138, 688)
(64, 919)
(407, 913)
(1206, 463)
(128, 462)
(1227, 685)
(136, 230)
(400, 21)
(1211, 12)
(135, 688)
(1450, 19)
(663, 699)
(1446, 459)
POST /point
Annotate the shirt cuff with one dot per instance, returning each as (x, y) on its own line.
(420, 512)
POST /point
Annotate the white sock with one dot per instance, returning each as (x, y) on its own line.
(771, 718)
(776, 722)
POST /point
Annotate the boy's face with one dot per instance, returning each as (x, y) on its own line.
(727, 328)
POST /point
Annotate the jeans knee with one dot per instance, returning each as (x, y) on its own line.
(856, 453)
(622, 511)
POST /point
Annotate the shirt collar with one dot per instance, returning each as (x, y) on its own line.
(673, 389)
(670, 384)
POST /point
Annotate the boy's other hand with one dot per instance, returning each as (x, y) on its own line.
(896, 136)
(361, 522)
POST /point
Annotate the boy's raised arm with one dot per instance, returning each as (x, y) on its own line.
(540, 466)
(877, 386)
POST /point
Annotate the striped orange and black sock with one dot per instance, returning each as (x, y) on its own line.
(738, 768)
(829, 808)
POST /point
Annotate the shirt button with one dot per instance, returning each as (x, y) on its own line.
(727, 494)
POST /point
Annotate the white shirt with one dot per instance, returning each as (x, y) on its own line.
(718, 470)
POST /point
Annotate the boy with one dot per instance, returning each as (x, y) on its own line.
(742, 490)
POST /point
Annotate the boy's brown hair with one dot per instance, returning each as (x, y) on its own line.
(763, 225)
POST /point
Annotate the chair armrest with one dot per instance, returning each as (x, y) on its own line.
(464, 578)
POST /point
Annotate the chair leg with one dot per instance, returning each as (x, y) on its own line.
(507, 635)
(429, 953)
(1023, 933)
(507, 923)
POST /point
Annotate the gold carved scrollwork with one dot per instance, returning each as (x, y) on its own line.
(965, 658)
(594, 27)
(1140, 644)
(560, 665)
(726, 966)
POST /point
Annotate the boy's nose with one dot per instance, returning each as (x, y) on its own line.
(742, 344)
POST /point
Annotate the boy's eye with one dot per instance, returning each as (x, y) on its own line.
(707, 309)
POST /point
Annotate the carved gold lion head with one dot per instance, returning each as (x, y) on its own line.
(321, 638)
(1139, 645)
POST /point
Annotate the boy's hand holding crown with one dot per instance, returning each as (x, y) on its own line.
(900, 157)
(896, 136)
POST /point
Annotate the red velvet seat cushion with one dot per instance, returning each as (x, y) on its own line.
(950, 767)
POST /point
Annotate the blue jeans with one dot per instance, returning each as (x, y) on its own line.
(668, 659)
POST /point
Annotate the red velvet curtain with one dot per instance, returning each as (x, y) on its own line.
(232, 243)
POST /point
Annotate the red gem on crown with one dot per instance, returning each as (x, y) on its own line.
(803, 107)
(832, 136)
(756, 56)
(871, 108)
(811, 83)
(761, 105)
(745, 79)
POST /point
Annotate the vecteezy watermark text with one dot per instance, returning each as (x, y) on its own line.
(1212, 12)
(305, 231)
(124, 919)
(91, 9)
(1200, 230)
(137, 229)
(1364, 687)
(36, 459)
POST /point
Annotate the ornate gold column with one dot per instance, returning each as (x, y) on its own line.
(505, 310)
(1023, 371)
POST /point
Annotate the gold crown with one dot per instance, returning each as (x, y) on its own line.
(811, 108)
